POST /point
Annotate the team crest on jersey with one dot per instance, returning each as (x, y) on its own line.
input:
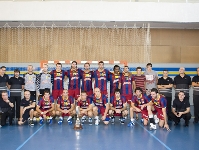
(87, 75)
(58, 74)
(46, 103)
(66, 103)
(98, 100)
(74, 73)
(102, 74)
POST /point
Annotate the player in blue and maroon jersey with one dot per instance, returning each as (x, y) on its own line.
(118, 107)
(158, 103)
(87, 76)
(101, 77)
(45, 108)
(137, 101)
(74, 76)
(57, 80)
(65, 107)
(114, 80)
(85, 107)
(101, 106)
(127, 83)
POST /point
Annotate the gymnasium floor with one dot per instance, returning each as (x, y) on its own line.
(117, 136)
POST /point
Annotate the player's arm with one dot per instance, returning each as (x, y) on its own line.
(21, 112)
(59, 109)
(90, 107)
(106, 111)
(31, 106)
(133, 85)
(124, 107)
(174, 111)
(52, 108)
(165, 116)
(147, 104)
(38, 109)
(72, 107)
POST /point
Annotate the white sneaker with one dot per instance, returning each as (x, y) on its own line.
(34, 119)
(152, 126)
(97, 122)
(156, 119)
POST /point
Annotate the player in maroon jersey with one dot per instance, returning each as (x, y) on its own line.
(101, 106)
(65, 107)
(118, 107)
(85, 107)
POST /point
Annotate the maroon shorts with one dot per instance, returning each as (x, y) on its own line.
(144, 113)
(160, 113)
(74, 93)
(56, 93)
(47, 114)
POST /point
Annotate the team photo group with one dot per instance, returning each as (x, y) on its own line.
(131, 97)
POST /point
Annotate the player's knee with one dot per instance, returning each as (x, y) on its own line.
(58, 113)
(90, 114)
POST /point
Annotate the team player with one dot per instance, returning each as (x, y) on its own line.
(127, 83)
(137, 101)
(65, 107)
(85, 107)
(57, 80)
(43, 81)
(114, 80)
(74, 76)
(101, 106)
(87, 76)
(101, 77)
(45, 108)
(30, 82)
(158, 103)
(118, 107)
(27, 107)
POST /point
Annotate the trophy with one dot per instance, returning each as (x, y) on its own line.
(77, 125)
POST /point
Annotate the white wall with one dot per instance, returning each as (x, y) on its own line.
(98, 11)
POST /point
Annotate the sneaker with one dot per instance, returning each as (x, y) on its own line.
(156, 119)
(122, 120)
(90, 120)
(50, 121)
(152, 126)
(131, 124)
(97, 122)
(34, 119)
(70, 121)
(113, 120)
(142, 121)
(60, 121)
(31, 123)
(83, 119)
(41, 121)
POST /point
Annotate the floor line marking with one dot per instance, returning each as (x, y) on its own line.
(29, 138)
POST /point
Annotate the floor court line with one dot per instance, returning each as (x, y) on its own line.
(154, 136)
(29, 138)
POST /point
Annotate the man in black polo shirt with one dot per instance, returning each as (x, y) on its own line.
(3, 79)
(16, 85)
(182, 82)
(181, 109)
(165, 85)
(6, 108)
(195, 84)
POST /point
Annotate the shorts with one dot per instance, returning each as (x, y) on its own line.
(128, 97)
(160, 113)
(144, 113)
(74, 93)
(56, 93)
(41, 91)
(89, 93)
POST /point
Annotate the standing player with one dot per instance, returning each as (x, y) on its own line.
(3, 79)
(137, 101)
(30, 82)
(87, 76)
(114, 80)
(27, 109)
(45, 108)
(127, 83)
(65, 107)
(118, 107)
(101, 106)
(57, 80)
(74, 76)
(158, 103)
(101, 77)
(85, 107)
(43, 81)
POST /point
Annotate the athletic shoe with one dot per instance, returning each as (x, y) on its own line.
(50, 121)
(83, 119)
(34, 119)
(113, 120)
(41, 121)
(97, 122)
(122, 120)
(90, 120)
(60, 121)
(70, 121)
(131, 124)
(152, 126)
(156, 119)
(142, 120)
(31, 123)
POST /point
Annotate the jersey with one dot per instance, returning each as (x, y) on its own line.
(140, 81)
(118, 104)
(43, 81)
(99, 102)
(126, 84)
(65, 103)
(30, 81)
(74, 77)
(101, 79)
(87, 81)
(46, 104)
(84, 104)
(160, 102)
(57, 79)
(114, 81)
(138, 102)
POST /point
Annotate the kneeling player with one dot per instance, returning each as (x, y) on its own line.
(45, 108)
(137, 101)
(118, 107)
(65, 107)
(158, 103)
(85, 107)
(27, 107)
(101, 106)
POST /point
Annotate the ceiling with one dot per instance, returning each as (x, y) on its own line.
(111, 24)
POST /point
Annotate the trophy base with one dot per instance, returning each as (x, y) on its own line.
(79, 127)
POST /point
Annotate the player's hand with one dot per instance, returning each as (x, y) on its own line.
(138, 110)
(66, 111)
(179, 114)
(118, 111)
(45, 112)
(11, 105)
(166, 126)
(103, 117)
